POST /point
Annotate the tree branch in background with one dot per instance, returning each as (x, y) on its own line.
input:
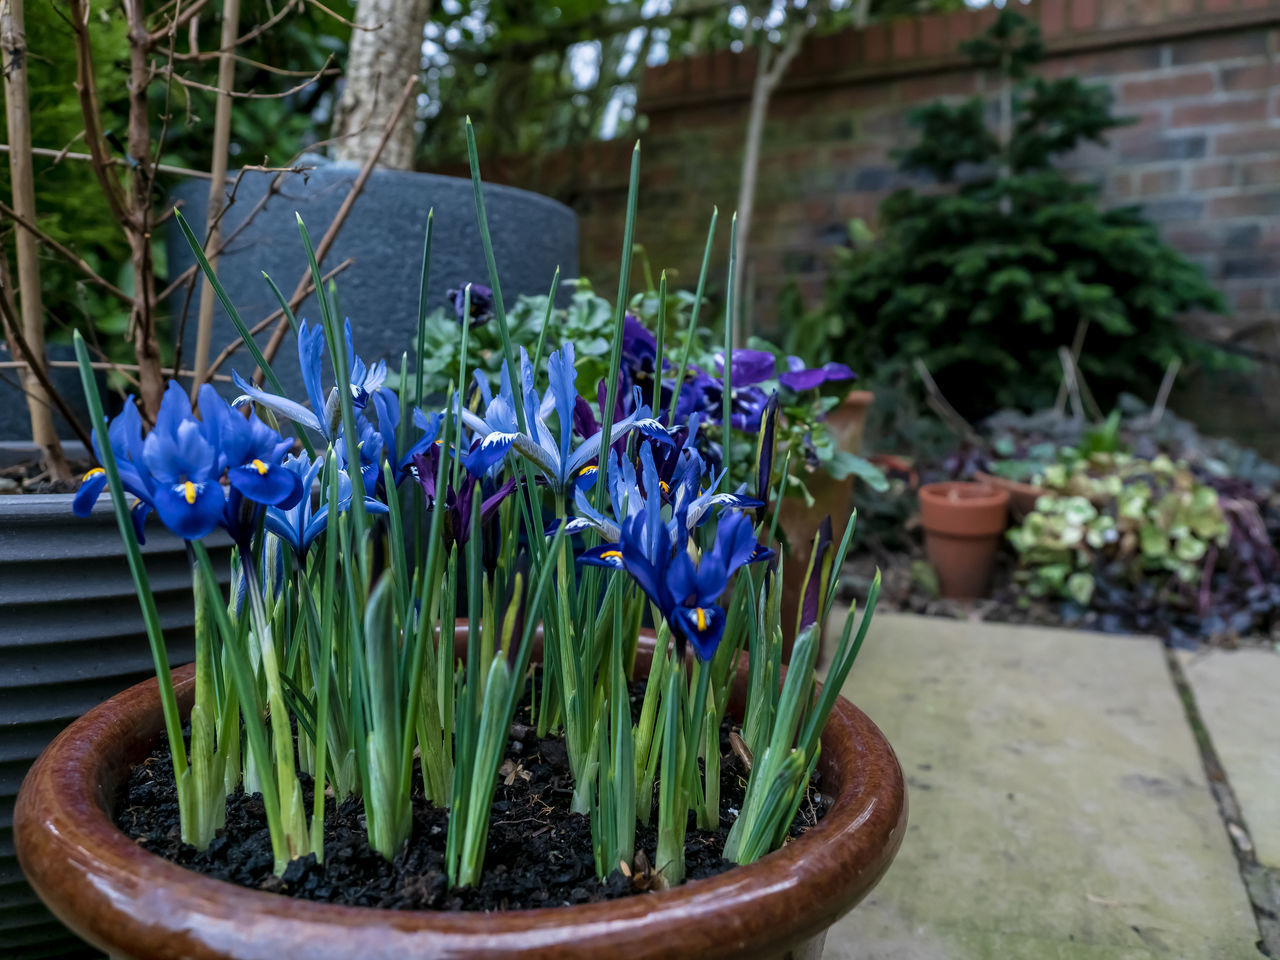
(218, 202)
(87, 86)
(29, 335)
(771, 66)
(66, 253)
(33, 368)
(263, 324)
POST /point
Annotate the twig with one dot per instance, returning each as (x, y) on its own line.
(32, 364)
(218, 203)
(1156, 414)
(1077, 344)
(942, 408)
(236, 344)
(175, 25)
(167, 71)
(107, 365)
(343, 20)
(22, 180)
(87, 86)
(67, 254)
(59, 155)
(245, 38)
(330, 235)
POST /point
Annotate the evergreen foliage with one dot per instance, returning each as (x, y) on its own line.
(987, 280)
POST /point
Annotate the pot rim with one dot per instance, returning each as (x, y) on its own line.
(118, 896)
(936, 494)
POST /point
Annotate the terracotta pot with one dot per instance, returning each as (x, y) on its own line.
(133, 904)
(848, 421)
(1022, 496)
(831, 499)
(962, 527)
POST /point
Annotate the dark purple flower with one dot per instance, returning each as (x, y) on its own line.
(749, 367)
(800, 378)
(481, 304)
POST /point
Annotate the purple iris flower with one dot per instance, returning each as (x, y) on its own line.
(481, 304)
(563, 465)
(800, 378)
(298, 525)
(461, 503)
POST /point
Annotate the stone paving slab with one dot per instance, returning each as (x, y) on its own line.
(1238, 695)
(1058, 806)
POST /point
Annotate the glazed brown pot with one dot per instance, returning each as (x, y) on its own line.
(831, 499)
(962, 527)
(1022, 496)
(133, 904)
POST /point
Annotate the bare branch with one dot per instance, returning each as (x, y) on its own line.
(244, 38)
(236, 344)
(167, 71)
(87, 87)
(67, 254)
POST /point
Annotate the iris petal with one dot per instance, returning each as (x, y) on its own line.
(190, 510)
(90, 488)
(269, 484)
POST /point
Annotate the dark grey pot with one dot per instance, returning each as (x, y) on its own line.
(532, 235)
(71, 635)
(15, 422)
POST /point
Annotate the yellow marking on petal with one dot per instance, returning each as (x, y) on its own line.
(611, 555)
(666, 487)
(590, 468)
(92, 473)
(189, 492)
(259, 466)
(701, 615)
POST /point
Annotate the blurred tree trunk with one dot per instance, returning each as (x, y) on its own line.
(386, 50)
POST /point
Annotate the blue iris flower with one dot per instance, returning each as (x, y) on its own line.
(691, 505)
(176, 470)
(563, 466)
(685, 592)
(324, 415)
(298, 525)
(124, 433)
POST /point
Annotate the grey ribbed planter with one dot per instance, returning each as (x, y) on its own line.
(532, 236)
(71, 635)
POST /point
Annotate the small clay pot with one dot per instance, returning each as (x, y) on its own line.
(1022, 496)
(962, 527)
(135, 905)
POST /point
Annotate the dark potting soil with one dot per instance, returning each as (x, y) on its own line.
(538, 855)
(30, 477)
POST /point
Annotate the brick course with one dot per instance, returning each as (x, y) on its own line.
(1200, 76)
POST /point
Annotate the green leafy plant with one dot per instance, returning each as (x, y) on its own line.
(986, 281)
(1153, 516)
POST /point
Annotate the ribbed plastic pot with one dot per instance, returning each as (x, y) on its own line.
(71, 635)
(135, 905)
(962, 524)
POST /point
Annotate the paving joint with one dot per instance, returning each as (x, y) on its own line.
(1261, 883)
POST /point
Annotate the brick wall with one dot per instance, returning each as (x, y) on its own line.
(1200, 77)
